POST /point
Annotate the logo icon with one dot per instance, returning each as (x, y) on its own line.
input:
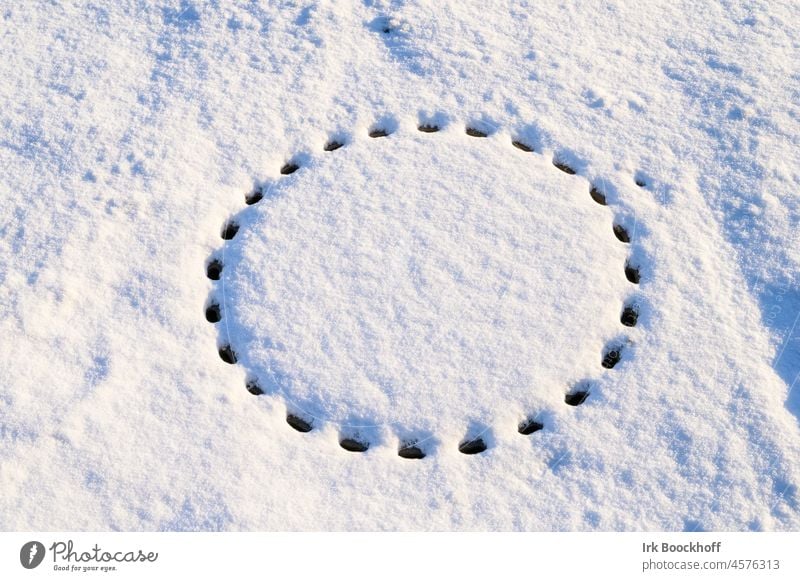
(31, 554)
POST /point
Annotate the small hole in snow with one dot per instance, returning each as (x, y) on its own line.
(298, 423)
(411, 452)
(598, 196)
(612, 356)
(214, 269)
(621, 233)
(229, 230)
(427, 128)
(475, 446)
(472, 132)
(353, 445)
(576, 397)
(563, 166)
(254, 197)
(333, 145)
(630, 314)
(289, 168)
(253, 387)
(213, 314)
(632, 273)
(227, 354)
(378, 133)
(521, 146)
(529, 426)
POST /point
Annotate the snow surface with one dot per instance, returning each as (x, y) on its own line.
(132, 131)
(425, 281)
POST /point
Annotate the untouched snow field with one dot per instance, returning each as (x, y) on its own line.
(427, 288)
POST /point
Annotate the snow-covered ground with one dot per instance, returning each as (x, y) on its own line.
(417, 287)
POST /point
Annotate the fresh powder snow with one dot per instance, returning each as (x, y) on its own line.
(424, 281)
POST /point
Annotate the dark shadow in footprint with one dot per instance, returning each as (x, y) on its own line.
(411, 451)
(528, 138)
(522, 146)
(568, 162)
(611, 356)
(603, 191)
(632, 273)
(431, 122)
(354, 445)
(213, 313)
(333, 145)
(621, 233)
(598, 196)
(475, 132)
(297, 161)
(383, 127)
(630, 314)
(227, 354)
(563, 166)
(415, 444)
(214, 269)
(374, 133)
(254, 197)
(229, 230)
(478, 438)
(578, 393)
(529, 426)
(253, 387)
(299, 423)
(289, 168)
(358, 434)
(470, 447)
(641, 179)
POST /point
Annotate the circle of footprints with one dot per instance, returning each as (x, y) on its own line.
(610, 356)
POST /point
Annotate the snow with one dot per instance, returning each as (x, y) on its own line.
(422, 280)
(132, 132)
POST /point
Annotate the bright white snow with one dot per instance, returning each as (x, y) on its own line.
(424, 281)
(130, 131)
